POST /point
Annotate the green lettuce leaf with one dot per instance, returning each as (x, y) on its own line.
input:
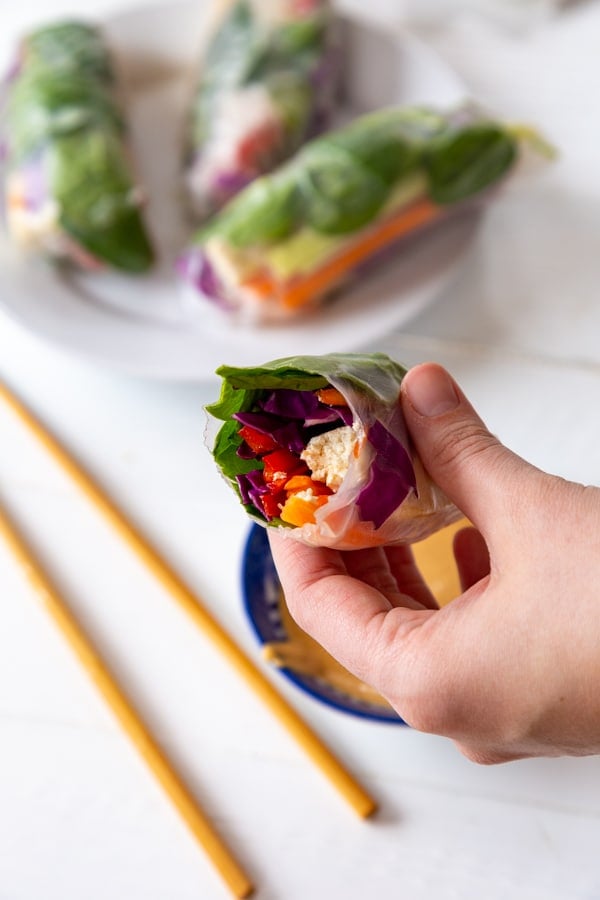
(373, 373)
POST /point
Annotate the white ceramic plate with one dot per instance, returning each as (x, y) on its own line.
(146, 326)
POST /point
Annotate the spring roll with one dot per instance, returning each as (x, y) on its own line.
(292, 238)
(69, 188)
(317, 447)
(267, 85)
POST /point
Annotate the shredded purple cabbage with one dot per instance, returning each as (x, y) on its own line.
(194, 268)
(293, 404)
(252, 486)
(287, 434)
(345, 414)
(35, 183)
(391, 477)
(227, 184)
(323, 417)
(324, 84)
(304, 405)
(292, 418)
(245, 452)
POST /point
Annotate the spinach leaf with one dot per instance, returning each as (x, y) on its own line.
(388, 142)
(306, 34)
(45, 105)
(340, 195)
(269, 212)
(463, 162)
(69, 46)
(90, 181)
(62, 111)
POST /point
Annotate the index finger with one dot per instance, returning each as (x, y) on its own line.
(349, 618)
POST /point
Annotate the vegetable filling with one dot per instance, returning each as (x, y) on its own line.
(303, 443)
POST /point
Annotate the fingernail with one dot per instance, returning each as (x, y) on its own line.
(431, 391)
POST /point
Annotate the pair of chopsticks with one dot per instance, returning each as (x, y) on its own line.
(223, 860)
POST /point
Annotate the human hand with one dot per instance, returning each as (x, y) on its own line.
(511, 667)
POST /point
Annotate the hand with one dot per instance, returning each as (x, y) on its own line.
(511, 668)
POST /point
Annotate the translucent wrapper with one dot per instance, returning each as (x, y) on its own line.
(291, 239)
(69, 188)
(382, 494)
(267, 84)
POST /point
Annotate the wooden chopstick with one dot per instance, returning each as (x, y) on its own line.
(233, 875)
(190, 603)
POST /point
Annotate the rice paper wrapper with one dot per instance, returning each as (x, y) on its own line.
(69, 185)
(268, 83)
(386, 496)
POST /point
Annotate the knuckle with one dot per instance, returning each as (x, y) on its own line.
(368, 660)
(301, 608)
(306, 596)
(463, 443)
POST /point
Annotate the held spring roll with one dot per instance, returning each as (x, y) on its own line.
(267, 85)
(317, 446)
(69, 189)
(291, 238)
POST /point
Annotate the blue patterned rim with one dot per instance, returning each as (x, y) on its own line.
(261, 592)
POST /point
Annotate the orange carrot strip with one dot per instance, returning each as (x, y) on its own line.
(16, 200)
(298, 511)
(332, 397)
(306, 483)
(262, 284)
(310, 286)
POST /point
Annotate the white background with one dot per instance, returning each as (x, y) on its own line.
(79, 815)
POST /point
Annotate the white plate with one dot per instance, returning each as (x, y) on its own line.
(146, 326)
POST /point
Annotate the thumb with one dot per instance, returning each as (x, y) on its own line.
(481, 476)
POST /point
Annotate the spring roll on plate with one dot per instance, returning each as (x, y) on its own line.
(317, 447)
(267, 84)
(292, 238)
(69, 192)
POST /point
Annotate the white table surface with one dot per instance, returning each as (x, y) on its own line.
(80, 818)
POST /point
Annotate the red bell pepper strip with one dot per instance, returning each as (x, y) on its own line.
(258, 442)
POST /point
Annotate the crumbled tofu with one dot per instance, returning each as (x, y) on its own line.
(308, 495)
(328, 455)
